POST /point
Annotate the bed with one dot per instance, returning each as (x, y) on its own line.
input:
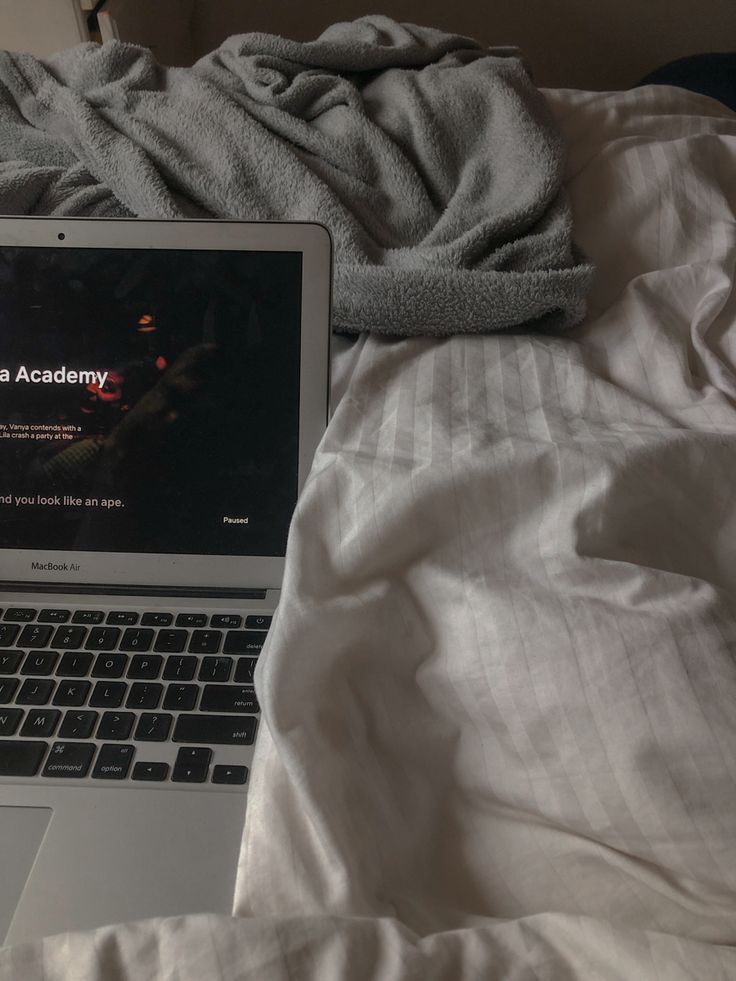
(500, 738)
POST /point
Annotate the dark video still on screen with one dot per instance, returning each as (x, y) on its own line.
(149, 399)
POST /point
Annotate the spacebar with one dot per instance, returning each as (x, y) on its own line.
(19, 758)
(220, 730)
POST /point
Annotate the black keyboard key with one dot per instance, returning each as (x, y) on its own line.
(137, 639)
(20, 614)
(9, 661)
(245, 669)
(68, 638)
(9, 722)
(243, 642)
(181, 698)
(170, 641)
(34, 635)
(8, 688)
(153, 727)
(144, 696)
(191, 620)
(191, 765)
(54, 616)
(39, 662)
(228, 620)
(228, 698)
(215, 730)
(180, 668)
(70, 691)
(19, 758)
(103, 638)
(189, 774)
(154, 772)
(40, 722)
(145, 666)
(8, 633)
(125, 618)
(78, 725)
(194, 756)
(34, 692)
(230, 774)
(115, 725)
(110, 666)
(216, 669)
(90, 617)
(258, 622)
(113, 762)
(157, 619)
(205, 641)
(108, 694)
(74, 665)
(69, 760)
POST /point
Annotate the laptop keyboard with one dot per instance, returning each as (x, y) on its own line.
(103, 694)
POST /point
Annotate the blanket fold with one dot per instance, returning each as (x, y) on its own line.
(433, 162)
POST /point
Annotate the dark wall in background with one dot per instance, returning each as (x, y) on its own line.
(569, 43)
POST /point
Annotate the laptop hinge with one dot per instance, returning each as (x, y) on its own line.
(89, 588)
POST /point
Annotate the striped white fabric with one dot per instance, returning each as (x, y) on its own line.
(500, 694)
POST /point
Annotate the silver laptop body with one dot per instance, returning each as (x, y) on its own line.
(163, 387)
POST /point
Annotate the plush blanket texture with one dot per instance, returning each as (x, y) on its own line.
(433, 161)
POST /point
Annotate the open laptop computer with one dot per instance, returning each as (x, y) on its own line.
(163, 387)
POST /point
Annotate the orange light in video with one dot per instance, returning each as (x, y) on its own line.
(111, 391)
(146, 324)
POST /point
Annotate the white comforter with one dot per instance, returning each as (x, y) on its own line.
(500, 694)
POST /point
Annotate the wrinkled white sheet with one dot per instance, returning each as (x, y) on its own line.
(499, 732)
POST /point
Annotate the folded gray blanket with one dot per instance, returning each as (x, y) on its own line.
(432, 160)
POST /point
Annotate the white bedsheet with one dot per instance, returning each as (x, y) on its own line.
(499, 698)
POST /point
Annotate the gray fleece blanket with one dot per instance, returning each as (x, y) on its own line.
(432, 160)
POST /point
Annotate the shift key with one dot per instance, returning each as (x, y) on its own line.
(217, 730)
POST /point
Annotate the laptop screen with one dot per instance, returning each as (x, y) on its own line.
(149, 400)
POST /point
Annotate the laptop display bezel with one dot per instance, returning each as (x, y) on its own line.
(194, 571)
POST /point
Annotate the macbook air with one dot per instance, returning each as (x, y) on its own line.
(163, 387)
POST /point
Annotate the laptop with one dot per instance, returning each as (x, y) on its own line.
(163, 387)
